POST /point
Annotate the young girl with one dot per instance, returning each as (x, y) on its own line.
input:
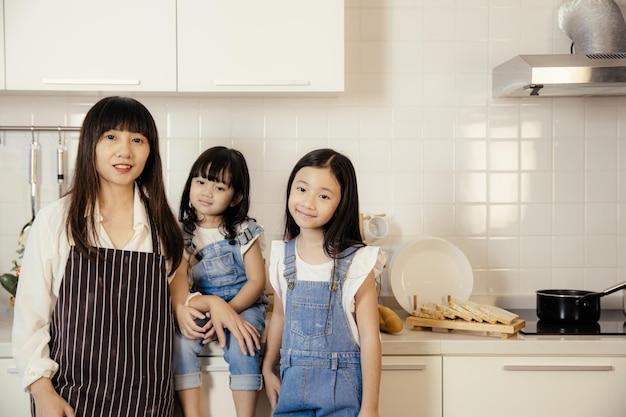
(225, 257)
(92, 331)
(330, 354)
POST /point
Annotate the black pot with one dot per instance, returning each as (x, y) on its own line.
(572, 305)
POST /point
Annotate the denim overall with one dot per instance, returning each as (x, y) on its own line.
(218, 269)
(320, 362)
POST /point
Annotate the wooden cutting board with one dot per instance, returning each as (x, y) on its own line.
(504, 330)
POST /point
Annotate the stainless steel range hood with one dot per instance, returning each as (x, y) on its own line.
(568, 75)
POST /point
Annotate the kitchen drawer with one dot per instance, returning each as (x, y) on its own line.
(410, 386)
(534, 386)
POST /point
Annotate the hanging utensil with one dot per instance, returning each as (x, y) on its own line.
(61, 163)
(34, 148)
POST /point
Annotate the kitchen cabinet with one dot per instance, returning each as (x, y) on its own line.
(411, 386)
(74, 45)
(279, 46)
(14, 401)
(2, 84)
(534, 386)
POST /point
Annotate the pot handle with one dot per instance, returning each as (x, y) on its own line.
(608, 291)
(614, 288)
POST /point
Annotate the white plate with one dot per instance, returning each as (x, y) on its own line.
(430, 268)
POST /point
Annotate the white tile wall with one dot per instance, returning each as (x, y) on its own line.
(530, 190)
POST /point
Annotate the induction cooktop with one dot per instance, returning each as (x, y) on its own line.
(611, 323)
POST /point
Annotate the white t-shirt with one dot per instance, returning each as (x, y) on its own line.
(365, 260)
(203, 237)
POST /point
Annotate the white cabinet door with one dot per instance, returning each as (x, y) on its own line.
(534, 386)
(70, 45)
(2, 85)
(217, 399)
(411, 386)
(14, 402)
(284, 46)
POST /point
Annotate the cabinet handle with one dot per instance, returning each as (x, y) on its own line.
(403, 367)
(578, 368)
(261, 83)
(81, 81)
(13, 371)
(214, 368)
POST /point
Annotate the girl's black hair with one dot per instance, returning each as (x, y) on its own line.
(342, 231)
(120, 113)
(217, 164)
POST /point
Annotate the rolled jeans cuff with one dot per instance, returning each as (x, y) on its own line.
(246, 382)
(187, 381)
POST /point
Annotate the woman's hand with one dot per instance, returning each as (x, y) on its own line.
(47, 402)
(185, 317)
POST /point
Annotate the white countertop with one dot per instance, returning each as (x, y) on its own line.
(440, 342)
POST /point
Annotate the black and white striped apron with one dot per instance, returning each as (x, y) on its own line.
(111, 334)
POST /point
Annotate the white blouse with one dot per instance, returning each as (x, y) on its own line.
(365, 260)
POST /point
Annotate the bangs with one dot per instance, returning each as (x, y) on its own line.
(127, 115)
(217, 171)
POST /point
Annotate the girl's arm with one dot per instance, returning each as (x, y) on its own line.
(179, 289)
(274, 340)
(366, 306)
(255, 272)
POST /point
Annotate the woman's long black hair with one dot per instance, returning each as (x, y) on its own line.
(342, 231)
(213, 164)
(120, 113)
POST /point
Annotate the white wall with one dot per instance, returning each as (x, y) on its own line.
(531, 190)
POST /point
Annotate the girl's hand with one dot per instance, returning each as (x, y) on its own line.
(185, 316)
(368, 413)
(223, 316)
(272, 387)
(47, 402)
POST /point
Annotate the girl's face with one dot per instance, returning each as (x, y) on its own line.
(211, 199)
(121, 156)
(314, 197)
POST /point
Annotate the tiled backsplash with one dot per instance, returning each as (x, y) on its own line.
(530, 190)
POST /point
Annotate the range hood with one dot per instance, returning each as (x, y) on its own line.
(567, 75)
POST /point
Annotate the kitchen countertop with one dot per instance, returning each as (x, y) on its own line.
(442, 342)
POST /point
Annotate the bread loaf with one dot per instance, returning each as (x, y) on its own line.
(389, 322)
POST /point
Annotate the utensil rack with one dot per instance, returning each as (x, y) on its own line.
(39, 129)
(34, 129)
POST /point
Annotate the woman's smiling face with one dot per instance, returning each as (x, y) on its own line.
(121, 156)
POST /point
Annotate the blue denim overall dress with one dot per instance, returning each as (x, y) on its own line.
(218, 269)
(320, 362)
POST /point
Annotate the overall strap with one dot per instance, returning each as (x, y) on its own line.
(342, 266)
(190, 248)
(290, 263)
(249, 233)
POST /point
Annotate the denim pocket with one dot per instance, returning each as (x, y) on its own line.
(311, 319)
(219, 271)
